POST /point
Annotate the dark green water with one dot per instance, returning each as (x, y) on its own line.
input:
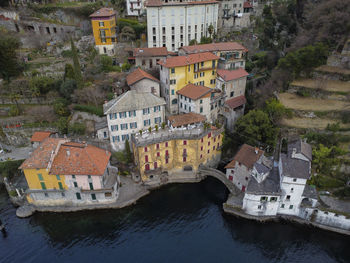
(178, 223)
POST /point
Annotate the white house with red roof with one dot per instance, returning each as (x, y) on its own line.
(143, 82)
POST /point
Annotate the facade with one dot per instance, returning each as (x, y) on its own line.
(64, 173)
(234, 15)
(173, 151)
(232, 54)
(177, 72)
(147, 58)
(174, 24)
(195, 99)
(134, 7)
(142, 82)
(131, 112)
(104, 30)
(232, 110)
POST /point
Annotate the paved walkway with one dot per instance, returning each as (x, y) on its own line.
(336, 204)
(16, 153)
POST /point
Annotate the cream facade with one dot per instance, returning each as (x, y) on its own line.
(146, 86)
(174, 24)
(200, 106)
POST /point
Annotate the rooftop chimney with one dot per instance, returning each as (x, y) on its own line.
(68, 152)
(256, 150)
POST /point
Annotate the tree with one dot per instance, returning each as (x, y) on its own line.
(62, 125)
(256, 128)
(9, 63)
(67, 88)
(206, 40)
(128, 151)
(68, 72)
(210, 30)
(60, 107)
(77, 70)
(128, 33)
(193, 42)
(275, 109)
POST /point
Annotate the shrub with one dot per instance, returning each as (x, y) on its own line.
(77, 128)
(14, 110)
(89, 109)
(13, 193)
(9, 168)
(60, 107)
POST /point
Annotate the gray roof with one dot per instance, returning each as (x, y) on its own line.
(262, 169)
(294, 168)
(310, 192)
(271, 184)
(301, 147)
(101, 125)
(132, 100)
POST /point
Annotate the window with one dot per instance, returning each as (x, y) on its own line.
(122, 114)
(213, 63)
(145, 111)
(158, 120)
(63, 194)
(40, 176)
(288, 198)
(133, 125)
(60, 186)
(156, 108)
(43, 186)
(172, 92)
(124, 126)
(114, 127)
(158, 154)
(78, 196)
(46, 194)
(231, 94)
(201, 148)
(172, 81)
(147, 167)
(93, 197)
(155, 165)
(73, 176)
(202, 64)
(143, 62)
(91, 186)
(75, 184)
(213, 72)
(166, 144)
(174, 101)
(201, 109)
(185, 142)
(212, 81)
(208, 143)
(101, 24)
(263, 198)
(294, 179)
(145, 149)
(147, 122)
(132, 113)
(157, 145)
(273, 199)
(291, 190)
(172, 70)
(146, 158)
(291, 207)
(201, 101)
(184, 159)
(259, 207)
(282, 205)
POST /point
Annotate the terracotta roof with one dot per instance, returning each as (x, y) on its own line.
(155, 3)
(103, 12)
(236, 102)
(138, 75)
(186, 119)
(222, 46)
(194, 92)
(228, 75)
(150, 52)
(247, 155)
(40, 136)
(80, 159)
(247, 5)
(187, 60)
(41, 156)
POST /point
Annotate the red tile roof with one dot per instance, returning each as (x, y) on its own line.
(187, 60)
(236, 102)
(228, 75)
(103, 12)
(40, 136)
(247, 155)
(195, 92)
(138, 75)
(247, 5)
(150, 52)
(80, 159)
(155, 3)
(222, 46)
(186, 119)
(41, 156)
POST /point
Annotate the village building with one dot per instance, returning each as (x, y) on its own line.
(232, 54)
(131, 112)
(40, 136)
(174, 24)
(176, 151)
(147, 58)
(177, 72)
(104, 30)
(185, 120)
(232, 110)
(142, 82)
(232, 82)
(234, 15)
(135, 7)
(64, 173)
(247, 163)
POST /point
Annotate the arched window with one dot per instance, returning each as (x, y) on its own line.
(174, 101)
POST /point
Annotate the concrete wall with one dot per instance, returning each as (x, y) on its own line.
(146, 85)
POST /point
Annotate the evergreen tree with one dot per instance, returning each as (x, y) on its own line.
(9, 64)
(128, 151)
(77, 71)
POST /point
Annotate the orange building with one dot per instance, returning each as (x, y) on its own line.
(104, 30)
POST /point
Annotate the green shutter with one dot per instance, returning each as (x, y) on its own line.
(58, 177)
(40, 176)
(78, 196)
(91, 186)
(43, 186)
(93, 196)
(60, 185)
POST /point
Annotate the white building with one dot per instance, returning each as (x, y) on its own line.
(174, 24)
(131, 112)
(135, 7)
(142, 82)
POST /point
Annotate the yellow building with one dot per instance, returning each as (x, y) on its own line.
(104, 30)
(176, 151)
(177, 72)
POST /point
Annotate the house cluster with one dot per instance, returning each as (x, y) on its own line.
(61, 172)
(274, 187)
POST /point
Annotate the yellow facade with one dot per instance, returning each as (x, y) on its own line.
(184, 75)
(181, 153)
(104, 30)
(38, 179)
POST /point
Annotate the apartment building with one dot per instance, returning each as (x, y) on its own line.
(232, 54)
(64, 173)
(131, 112)
(177, 72)
(174, 24)
(104, 30)
(172, 151)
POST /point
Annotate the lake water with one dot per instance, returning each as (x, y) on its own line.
(177, 223)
